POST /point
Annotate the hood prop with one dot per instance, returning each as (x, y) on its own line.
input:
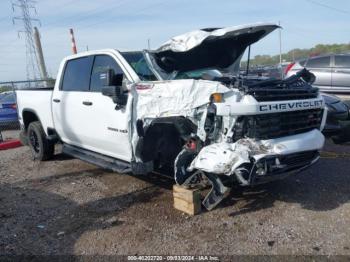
(247, 71)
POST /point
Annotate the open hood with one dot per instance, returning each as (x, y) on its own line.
(210, 47)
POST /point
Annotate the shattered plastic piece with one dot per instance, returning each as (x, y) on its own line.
(217, 193)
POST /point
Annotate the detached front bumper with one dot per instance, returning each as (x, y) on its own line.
(254, 162)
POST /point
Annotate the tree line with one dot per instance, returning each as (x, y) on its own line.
(297, 54)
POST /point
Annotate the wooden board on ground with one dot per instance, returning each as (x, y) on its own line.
(187, 200)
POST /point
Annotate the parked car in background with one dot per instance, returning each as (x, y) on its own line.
(8, 111)
(332, 72)
(338, 112)
(3, 94)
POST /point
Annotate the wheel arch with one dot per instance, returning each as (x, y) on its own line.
(29, 116)
(164, 137)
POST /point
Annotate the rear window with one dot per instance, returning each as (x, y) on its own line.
(77, 74)
(342, 61)
(319, 62)
(7, 98)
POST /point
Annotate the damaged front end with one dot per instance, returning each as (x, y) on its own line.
(224, 130)
(247, 162)
(254, 162)
(249, 138)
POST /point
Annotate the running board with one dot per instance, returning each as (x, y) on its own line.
(97, 159)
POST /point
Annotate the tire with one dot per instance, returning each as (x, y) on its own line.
(41, 148)
(182, 161)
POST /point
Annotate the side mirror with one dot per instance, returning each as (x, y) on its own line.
(109, 78)
(112, 87)
(116, 93)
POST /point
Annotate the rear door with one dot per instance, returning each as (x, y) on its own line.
(341, 73)
(70, 114)
(321, 68)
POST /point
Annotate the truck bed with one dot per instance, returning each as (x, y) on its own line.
(37, 100)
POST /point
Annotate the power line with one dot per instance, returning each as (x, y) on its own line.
(328, 6)
(87, 15)
(107, 19)
(25, 7)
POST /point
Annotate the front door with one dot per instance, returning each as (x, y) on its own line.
(110, 129)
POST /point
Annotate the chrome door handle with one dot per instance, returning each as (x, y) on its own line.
(87, 103)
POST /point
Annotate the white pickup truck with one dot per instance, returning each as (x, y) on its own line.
(180, 108)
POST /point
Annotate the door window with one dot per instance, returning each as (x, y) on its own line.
(342, 61)
(319, 62)
(102, 63)
(77, 74)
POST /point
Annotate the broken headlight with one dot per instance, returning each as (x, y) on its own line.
(216, 98)
(213, 123)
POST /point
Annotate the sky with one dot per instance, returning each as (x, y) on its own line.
(127, 25)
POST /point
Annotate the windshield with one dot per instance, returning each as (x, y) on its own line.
(205, 74)
(140, 66)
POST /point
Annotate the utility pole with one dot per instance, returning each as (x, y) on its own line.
(25, 7)
(39, 49)
(280, 38)
(74, 46)
(149, 43)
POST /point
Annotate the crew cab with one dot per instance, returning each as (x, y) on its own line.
(148, 111)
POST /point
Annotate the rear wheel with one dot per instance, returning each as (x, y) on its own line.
(41, 148)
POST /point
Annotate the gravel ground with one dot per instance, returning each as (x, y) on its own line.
(66, 206)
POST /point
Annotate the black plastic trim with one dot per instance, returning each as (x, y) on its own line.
(97, 159)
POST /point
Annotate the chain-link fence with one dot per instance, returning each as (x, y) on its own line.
(9, 124)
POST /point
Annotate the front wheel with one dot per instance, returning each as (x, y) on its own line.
(41, 148)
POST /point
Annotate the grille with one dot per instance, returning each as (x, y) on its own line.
(268, 126)
(281, 90)
(298, 159)
(292, 163)
(263, 95)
